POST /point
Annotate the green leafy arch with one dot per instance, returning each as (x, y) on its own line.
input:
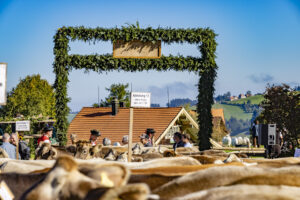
(205, 65)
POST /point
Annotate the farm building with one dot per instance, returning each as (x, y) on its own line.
(115, 126)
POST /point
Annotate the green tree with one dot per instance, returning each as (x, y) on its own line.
(282, 107)
(32, 97)
(120, 91)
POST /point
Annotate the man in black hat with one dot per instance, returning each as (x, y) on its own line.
(150, 132)
(94, 135)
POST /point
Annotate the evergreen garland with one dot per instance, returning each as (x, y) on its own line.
(204, 65)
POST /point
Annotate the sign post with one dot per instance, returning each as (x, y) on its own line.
(21, 126)
(130, 134)
(3, 69)
(140, 99)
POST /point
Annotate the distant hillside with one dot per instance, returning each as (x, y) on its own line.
(257, 99)
(180, 102)
(233, 111)
(237, 120)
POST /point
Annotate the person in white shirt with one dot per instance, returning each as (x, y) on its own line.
(186, 140)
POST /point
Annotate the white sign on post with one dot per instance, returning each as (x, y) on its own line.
(140, 99)
(23, 126)
(3, 67)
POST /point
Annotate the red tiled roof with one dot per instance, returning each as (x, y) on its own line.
(115, 127)
(218, 113)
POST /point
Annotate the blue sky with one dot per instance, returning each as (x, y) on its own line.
(258, 43)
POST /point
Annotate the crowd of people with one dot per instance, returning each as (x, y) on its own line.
(12, 142)
(147, 139)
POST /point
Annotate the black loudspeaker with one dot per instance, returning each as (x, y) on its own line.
(271, 134)
(267, 134)
(13, 127)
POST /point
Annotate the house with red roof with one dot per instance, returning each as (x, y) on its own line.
(114, 124)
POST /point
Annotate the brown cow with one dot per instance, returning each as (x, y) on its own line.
(127, 192)
(117, 174)
(123, 156)
(84, 150)
(279, 162)
(245, 192)
(231, 175)
(19, 183)
(25, 166)
(207, 159)
(160, 162)
(157, 176)
(64, 181)
(45, 151)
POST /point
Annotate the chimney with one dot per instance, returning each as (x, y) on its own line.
(121, 104)
(115, 106)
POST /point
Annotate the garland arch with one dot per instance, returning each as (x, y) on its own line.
(205, 65)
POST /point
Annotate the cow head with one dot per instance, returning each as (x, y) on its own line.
(64, 181)
(169, 153)
(73, 138)
(111, 155)
(84, 150)
(45, 152)
(137, 149)
(123, 157)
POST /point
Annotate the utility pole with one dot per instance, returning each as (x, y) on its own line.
(98, 96)
(168, 97)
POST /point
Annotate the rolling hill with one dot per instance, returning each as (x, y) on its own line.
(233, 111)
(257, 99)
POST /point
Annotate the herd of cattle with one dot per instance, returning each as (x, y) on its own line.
(82, 171)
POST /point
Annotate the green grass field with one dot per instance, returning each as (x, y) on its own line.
(233, 111)
(257, 99)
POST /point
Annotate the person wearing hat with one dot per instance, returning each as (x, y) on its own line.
(145, 140)
(94, 135)
(125, 140)
(47, 134)
(106, 142)
(150, 132)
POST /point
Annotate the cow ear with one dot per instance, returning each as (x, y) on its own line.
(116, 173)
(66, 162)
(99, 146)
(54, 152)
